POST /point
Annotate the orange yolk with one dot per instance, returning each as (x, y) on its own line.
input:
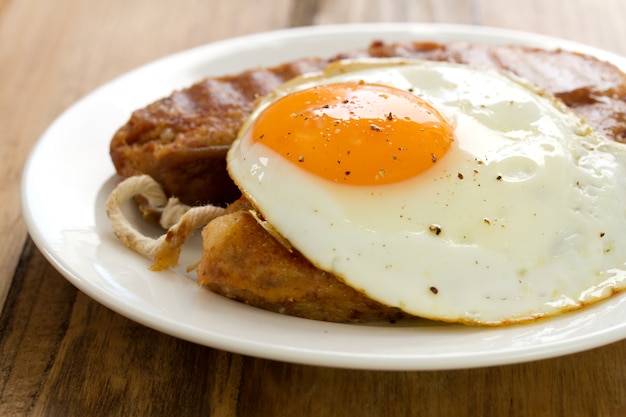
(355, 133)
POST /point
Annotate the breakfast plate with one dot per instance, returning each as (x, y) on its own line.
(69, 175)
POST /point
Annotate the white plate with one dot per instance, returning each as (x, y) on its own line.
(69, 175)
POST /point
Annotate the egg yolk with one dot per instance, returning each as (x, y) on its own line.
(355, 133)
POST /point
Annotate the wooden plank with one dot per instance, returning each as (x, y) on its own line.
(443, 11)
(594, 22)
(62, 353)
(96, 361)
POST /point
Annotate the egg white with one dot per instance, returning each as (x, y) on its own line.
(525, 217)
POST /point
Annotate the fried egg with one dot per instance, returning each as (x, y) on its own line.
(451, 192)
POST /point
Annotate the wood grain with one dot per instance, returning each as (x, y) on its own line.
(78, 356)
(63, 354)
(81, 356)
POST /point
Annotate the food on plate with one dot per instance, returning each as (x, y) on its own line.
(448, 191)
(181, 140)
(243, 262)
(390, 188)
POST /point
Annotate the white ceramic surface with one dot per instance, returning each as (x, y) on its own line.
(69, 175)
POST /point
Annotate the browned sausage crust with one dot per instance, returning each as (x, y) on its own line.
(594, 89)
(181, 140)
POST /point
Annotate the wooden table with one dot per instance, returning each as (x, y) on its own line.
(63, 354)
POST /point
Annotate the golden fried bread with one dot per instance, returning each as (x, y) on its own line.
(240, 260)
